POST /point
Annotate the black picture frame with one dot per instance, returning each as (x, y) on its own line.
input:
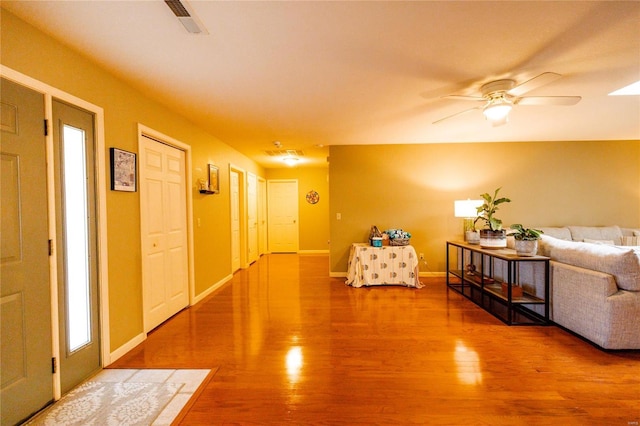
(123, 170)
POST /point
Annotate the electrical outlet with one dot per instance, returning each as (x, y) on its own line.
(421, 256)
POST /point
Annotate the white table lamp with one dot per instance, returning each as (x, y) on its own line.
(468, 210)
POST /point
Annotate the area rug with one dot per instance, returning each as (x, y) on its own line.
(125, 397)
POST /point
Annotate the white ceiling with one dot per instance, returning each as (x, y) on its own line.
(345, 73)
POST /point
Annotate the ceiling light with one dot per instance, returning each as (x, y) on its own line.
(632, 89)
(291, 161)
(497, 109)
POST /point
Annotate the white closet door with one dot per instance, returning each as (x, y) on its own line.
(163, 221)
(252, 216)
(283, 215)
(234, 189)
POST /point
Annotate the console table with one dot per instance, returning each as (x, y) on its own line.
(388, 265)
(491, 279)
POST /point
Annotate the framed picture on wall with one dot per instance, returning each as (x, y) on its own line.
(123, 170)
(214, 183)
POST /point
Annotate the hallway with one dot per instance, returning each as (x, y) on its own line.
(293, 346)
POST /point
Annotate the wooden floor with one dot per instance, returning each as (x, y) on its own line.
(294, 346)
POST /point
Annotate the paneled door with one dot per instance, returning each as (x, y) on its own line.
(282, 213)
(76, 248)
(163, 221)
(262, 216)
(252, 217)
(234, 193)
(25, 298)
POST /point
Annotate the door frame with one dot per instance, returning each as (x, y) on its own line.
(174, 143)
(49, 93)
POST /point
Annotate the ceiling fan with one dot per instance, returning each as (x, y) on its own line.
(499, 96)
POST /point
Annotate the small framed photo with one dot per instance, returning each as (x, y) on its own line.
(214, 182)
(123, 170)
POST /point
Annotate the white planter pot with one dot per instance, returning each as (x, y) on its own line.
(493, 239)
(472, 237)
(526, 248)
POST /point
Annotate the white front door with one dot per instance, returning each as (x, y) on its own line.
(283, 215)
(163, 222)
(234, 193)
(252, 217)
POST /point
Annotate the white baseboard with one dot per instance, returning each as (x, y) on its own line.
(313, 251)
(211, 289)
(113, 356)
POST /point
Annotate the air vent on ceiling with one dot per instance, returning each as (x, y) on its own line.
(285, 153)
(188, 19)
(177, 8)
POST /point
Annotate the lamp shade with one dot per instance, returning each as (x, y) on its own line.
(467, 208)
(497, 111)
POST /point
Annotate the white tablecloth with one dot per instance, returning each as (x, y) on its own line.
(388, 265)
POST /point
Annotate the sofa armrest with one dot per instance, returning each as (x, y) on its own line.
(575, 280)
(579, 300)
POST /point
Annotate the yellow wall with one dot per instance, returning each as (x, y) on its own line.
(414, 187)
(314, 218)
(31, 52)
(407, 186)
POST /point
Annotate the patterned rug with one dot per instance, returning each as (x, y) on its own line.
(125, 397)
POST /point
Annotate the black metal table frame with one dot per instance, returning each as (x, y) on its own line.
(481, 281)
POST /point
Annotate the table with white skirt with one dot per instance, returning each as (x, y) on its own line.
(387, 265)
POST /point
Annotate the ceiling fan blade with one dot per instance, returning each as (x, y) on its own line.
(534, 83)
(548, 100)
(456, 114)
(464, 98)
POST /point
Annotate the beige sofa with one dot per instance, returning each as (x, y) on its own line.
(595, 283)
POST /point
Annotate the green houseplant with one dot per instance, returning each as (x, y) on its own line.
(526, 239)
(493, 236)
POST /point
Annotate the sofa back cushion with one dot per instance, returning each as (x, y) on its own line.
(611, 233)
(561, 233)
(622, 263)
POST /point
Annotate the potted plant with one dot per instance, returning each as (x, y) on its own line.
(493, 236)
(526, 239)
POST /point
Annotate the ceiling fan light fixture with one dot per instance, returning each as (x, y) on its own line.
(497, 110)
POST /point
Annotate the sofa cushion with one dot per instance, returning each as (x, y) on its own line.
(579, 233)
(630, 241)
(561, 233)
(622, 263)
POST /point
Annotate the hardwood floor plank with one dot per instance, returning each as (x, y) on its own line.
(294, 346)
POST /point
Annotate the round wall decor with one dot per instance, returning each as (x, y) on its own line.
(313, 197)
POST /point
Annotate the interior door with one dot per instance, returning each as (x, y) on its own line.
(76, 254)
(283, 215)
(163, 222)
(262, 217)
(234, 189)
(25, 298)
(252, 216)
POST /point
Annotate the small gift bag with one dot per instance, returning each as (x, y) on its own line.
(375, 237)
